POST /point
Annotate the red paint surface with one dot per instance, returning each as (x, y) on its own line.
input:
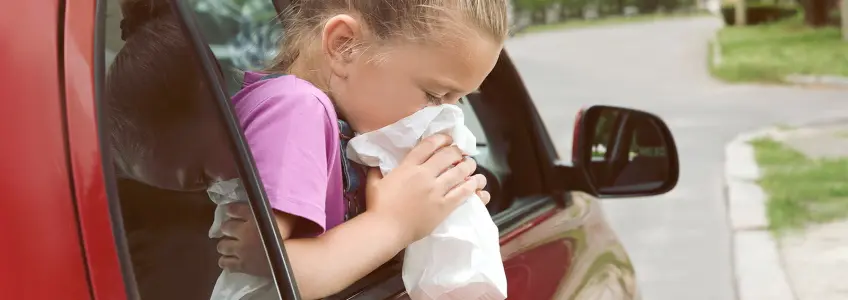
(536, 274)
(527, 226)
(95, 224)
(41, 242)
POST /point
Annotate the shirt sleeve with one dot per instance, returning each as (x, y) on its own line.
(287, 135)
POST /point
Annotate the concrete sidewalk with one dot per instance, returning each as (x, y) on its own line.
(816, 259)
(808, 264)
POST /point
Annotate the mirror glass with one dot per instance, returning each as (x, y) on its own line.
(627, 151)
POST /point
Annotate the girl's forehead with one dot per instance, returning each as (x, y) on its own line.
(460, 66)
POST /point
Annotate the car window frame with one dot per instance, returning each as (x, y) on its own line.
(110, 177)
(269, 233)
(281, 269)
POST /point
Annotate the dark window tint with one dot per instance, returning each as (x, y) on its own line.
(168, 142)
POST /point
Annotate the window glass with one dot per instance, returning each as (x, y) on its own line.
(243, 35)
(168, 142)
(472, 121)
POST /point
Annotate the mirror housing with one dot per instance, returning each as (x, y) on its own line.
(624, 152)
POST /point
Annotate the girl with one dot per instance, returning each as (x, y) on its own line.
(370, 63)
(378, 61)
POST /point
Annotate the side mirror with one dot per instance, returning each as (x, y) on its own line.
(624, 152)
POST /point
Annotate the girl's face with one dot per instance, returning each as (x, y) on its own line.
(374, 91)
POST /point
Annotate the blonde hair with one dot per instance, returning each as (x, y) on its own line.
(386, 21)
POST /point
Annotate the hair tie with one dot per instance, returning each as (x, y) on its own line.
(139, 13)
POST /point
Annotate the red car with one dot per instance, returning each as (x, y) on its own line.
(70, 220)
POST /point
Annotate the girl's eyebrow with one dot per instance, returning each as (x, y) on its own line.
(453, 87)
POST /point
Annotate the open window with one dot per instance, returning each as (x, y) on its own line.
(164, 104)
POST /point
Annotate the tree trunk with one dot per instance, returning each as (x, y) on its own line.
(815, 12)
(742, 12)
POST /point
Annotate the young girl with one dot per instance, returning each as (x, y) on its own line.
(370, 63)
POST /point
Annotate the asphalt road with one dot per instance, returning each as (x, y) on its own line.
(679, 242)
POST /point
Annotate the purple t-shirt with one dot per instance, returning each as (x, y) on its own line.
(292, 129)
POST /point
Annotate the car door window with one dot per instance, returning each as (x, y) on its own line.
(172, 134)
(473, 122)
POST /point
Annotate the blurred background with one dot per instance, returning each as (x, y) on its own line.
(712, 69)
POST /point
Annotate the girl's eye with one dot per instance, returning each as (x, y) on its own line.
(433, 99)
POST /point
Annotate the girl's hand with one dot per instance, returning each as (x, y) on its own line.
(241, 247)
(425, 188)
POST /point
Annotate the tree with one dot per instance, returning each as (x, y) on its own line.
(816, 12)
(741, 12)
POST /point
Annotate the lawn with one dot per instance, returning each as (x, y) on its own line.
(611, 20)
(770, 52)
(800, 190)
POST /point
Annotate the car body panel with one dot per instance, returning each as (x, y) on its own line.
(39, 222)
(598, 266)
(84, 149)
(557, 251)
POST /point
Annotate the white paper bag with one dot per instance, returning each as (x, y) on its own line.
(461, 258)
(230, 285)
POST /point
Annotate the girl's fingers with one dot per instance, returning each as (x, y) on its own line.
(461, 192)
(443, 160)
(427, 147)
(481, 181)
(227, 247)
(484, 196)
(232, 228)
(456, 176)
(240, 211)
(230, 263)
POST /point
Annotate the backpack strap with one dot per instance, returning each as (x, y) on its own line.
(353, 174)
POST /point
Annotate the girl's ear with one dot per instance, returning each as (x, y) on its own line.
(341, 34)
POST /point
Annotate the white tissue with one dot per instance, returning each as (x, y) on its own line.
(461, 258)
(231, 285)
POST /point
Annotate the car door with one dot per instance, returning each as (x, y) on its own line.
(155, 77)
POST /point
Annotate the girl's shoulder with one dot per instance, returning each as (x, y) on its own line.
(262, 92)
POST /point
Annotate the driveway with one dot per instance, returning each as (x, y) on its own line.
(679, 242)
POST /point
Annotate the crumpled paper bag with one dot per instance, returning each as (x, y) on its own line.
(231, 285)
(461, 258)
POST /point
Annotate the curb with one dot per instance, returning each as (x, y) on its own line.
(717, 58)
(820, 80)
(756, 260)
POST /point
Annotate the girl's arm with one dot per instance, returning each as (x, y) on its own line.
(327, 264)
(397, 215)
(288, 136)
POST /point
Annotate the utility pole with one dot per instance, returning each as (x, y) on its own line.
(742, 12)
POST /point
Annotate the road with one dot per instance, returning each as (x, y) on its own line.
(679, 242)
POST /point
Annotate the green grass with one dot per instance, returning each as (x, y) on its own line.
(800, 190)
(784, 127)
(611, 20)
(770, 52)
